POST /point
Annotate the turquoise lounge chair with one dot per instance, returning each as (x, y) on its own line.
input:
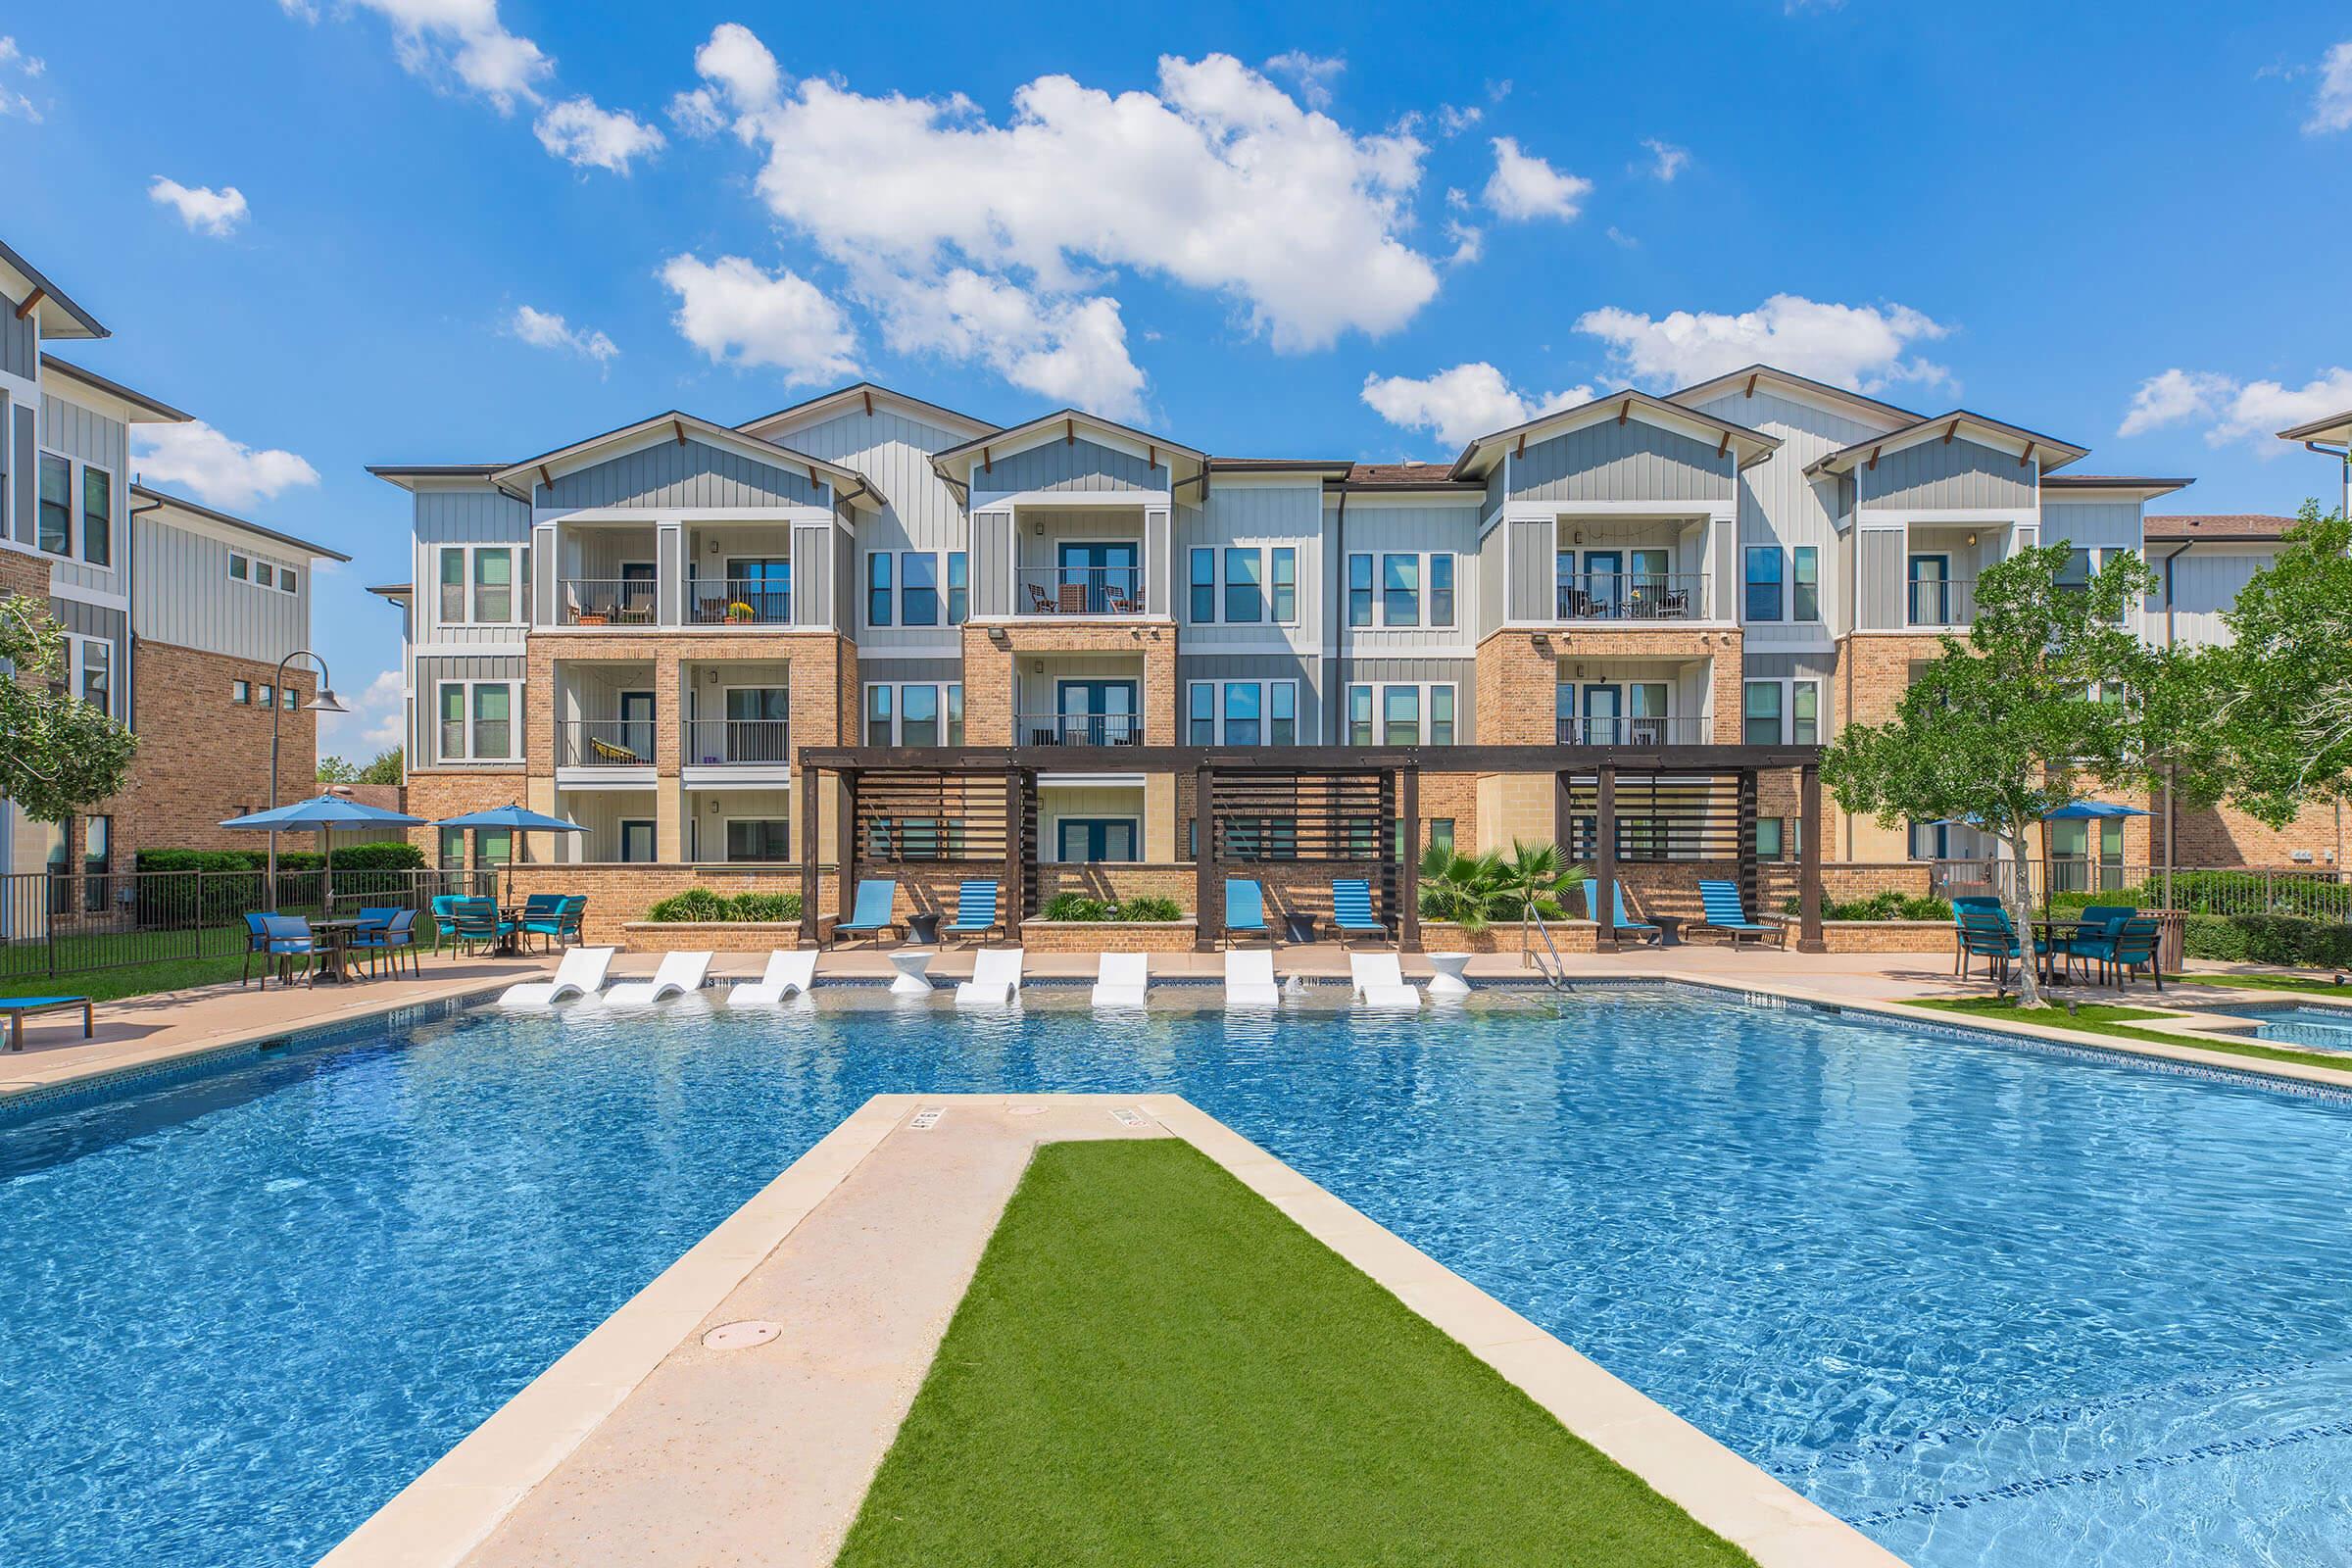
(976, 910)
(1351, 910)
(285, 938)
(871, 912)
(1641, 928)
(1719, 903)
(1245, 909)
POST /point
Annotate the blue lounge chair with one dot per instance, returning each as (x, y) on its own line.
(1245, 909)
(1719, 903)
(19, 1008)
(1986, 934)
(287, 937)
(1351, 910)
(1641, 928)
(387, 939)
(1983, 903)
(871, 912)
(554, 915)
(976, 910)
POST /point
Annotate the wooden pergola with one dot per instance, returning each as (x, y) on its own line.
(977, 806)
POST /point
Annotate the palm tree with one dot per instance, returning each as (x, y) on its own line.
(1458, 888)
(1528, 882)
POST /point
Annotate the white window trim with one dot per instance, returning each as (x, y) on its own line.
(1217, 580)
(516, 587)
(898, 690)
(865, 595)
(513, 720)
(1784, 583)
(1421, 594)
(78, 645)
(1821, 589)
(1134, 823)
(1265, 711)
(1380, 690)
(1788, 685)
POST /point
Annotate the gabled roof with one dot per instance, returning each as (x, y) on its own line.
(2237, 527)
(864, 395)
(849, 484)
(144, 410)
(2052, 451)
(1405, 478)
(60, 317)
(225, 521)
(1846, 401)
(2144, 488)
(1183, 464)
(1752, 446)
(2334, 427)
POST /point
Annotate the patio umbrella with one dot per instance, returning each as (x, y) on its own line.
(2075, 812)
(515, 819)
(322, 814)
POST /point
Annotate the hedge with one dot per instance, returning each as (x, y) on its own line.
(1888, 905)
(1076, 908)
(2280, 939)
(234, 881)
(703, 907)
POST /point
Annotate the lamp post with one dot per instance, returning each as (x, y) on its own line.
(324, 702)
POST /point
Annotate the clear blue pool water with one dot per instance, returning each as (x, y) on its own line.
(1995, 1305)
(2306, 1025)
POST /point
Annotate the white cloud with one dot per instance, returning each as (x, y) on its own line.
(372, 720)
(217, 470)
(1469, 242)
(738, 315)
(1666, 159)
(1462, 403)
(464, 39)
(2233, 411)
(1620, 238)
(1453, 120)
(1524, 187)
(588, 137)
(1858, 346)
(203, 210)
(13, 101)
(1315, 73)
(544, 329)
(1071, 351)
(2332, 105)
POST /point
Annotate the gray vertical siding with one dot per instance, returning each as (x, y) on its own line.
(812, 574)
(1462, 673)
(1060, 464)
(1879, 580)
(23, 450)
(1532, 542)
(458, 518)
(694, 473)
(89, 436)
(1492, 546)
(1303, 667)
(1938, 474)
(991, 562)
(181, 592)
(1778, 505)
(669, 574)
(1629, 461)
(114, 626)
(2092, 524)
(893, 450)
(431, 672)
(1159, 564)
(1264, 515)
(20, 342)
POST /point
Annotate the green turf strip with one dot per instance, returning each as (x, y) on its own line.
(1155, 1365)
(2266, 982)
(2103, 1020)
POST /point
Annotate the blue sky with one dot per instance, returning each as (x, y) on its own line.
(441, 230)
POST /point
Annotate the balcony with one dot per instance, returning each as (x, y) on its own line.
(1072, 590)
(1596, 731)
(605, 742)
(739, 602)
(1948, 602)
(738, 743)
(1632, 597)
(606, 600)
(1079, 729)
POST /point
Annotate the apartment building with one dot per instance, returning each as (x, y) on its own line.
(175, 614)
(641, 630)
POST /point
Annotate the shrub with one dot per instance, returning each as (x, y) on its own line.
(1888, 904)
(2267, 939)
(694, 905)
(768, 907)
(1074, 906)
(1148, 908)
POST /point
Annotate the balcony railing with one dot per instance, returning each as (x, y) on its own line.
(1635, 731)
(605, 742)
(1950, 602)
(606, 600)
(1078, 591)
(738, 743)
(1632, 596)
(741, 602)
(1079, 729)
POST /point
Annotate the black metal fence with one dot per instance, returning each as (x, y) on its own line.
(2317, 893)
(62, 923)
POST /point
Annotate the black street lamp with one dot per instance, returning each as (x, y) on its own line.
(324, 702)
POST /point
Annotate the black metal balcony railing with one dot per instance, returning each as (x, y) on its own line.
(1632, 596)
(1635, 731)
(1949, 602)
(745, 602)
(1079, 729)
(738, 743)
(606, 600)
(605, 742)
(1078, 591)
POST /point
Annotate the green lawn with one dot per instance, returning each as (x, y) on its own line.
(1154, 1365)
(130, 980)
(2266, 982)
(2100, 1019)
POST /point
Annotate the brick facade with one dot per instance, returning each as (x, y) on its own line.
(992, 653)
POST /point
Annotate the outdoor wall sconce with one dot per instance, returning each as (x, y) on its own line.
(1037, 666)
(999, 636)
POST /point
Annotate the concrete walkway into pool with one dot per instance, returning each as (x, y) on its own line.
(736, 1410)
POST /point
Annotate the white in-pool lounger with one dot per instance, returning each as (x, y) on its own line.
(580, 974)
(1121, 979)
(1250, 978)
(996, 978)
(1380, 980)
(788, 974)
(680, 972)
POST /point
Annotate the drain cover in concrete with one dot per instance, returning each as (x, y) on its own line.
(742, 1336)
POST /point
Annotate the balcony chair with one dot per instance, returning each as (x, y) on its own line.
(871, 912)
(976, 910)
(1246, 908)
(1622, 925)
(1041, 603)
(1719, 903)
(1352, 910)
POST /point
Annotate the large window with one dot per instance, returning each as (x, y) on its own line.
(1203, 579)
(1245, 587)
(914, 714)
(477, 721)
(877, 588)
(478, 583)
(919, 715)
(1408, 714)
(1763, 582)
(1805, 582)
(453, 849)
(97, 516)
(1760, 723)
(493, 587)
(57, 504)
(759, 838)
(918, 588)
(1412, 589)
(1242, 713)
(1401, 590)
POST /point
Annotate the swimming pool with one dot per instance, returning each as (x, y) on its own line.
(1994, 1303)
(2308, 1025)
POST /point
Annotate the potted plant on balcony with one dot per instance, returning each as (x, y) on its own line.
(739, 612)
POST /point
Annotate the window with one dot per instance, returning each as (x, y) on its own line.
(493, 586)
(918, 589)
(1401, 716)
(1359, 714)
(1281, 713)
(759, 839)
(1931, 841)
(477, 722)
(1804, 712)
(1441, 589)
(1805, 583)
(919, 715)
(95, 656)
(288, 698)
(1096, 840)
(1402, 710)
(1441, 715)
(493, 721)
(1401, 590)
(1400, 577)
(240, 693)
(2074, 576)
(267, 696)
(1243, 701)
(1771, 844)
(1762, 714)
(57, 504)
(1763, 582)
(453, 584)
(241, 571)
(877, 588)
(959, 587)
(879, 731)
(1245, 587)
(1360, 590)
(97, 516)
(453, 849)
(954, 706)
(265, 575)
(1285, 585)
(97, 861)
(1441, 833)
(1242, 713)
(475, 591)
(1191, 838)
(285, 579)
(1204, 586)
(1200, 714)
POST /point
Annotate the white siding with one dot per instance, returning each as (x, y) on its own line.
(462, 517)
(893, 452)
(181, 592)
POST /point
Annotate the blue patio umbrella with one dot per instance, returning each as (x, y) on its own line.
(321, 814)
(515, 819)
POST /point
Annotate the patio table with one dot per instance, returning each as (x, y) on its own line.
(922, 928)
(1445, 979)
(2056, 935)
(911, 964)
(331, 945)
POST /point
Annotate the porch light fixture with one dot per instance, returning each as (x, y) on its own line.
(1971, 541)
(1037, 666)
(999, 636)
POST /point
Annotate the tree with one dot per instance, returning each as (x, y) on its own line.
(1528, 883)
(383, 769)
(62, 754)
(1473, 890)
(2047, 697)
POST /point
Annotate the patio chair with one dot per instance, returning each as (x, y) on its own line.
(611, 754)
(570, 920)
(976, 910)
(1246, 908)
(1961, 905)
(2127, 945)
(679, 973)
(1121, 979)
(257, 940)
(1351, 910)
(996, 980)
(788, 974)
(1723, 912)
(387, 938)
(16, 1009)
(580, 974)
(445, 907)
(543, 916)
(287, 938)
(474, 923)
(1250, 978)
(1986, 934)
(1639, 928)
(1379, 979)
(871, 912)
(1042, 602)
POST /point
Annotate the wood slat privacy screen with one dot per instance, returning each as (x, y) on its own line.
(1663, 817)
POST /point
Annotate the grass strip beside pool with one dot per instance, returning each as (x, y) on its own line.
(2101, 1019)
(2266, 982)
(1155, 1365)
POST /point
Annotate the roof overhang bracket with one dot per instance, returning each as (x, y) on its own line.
(678, 427)
(1624, 409)
(1069, 432)
(1949, 431)
(1725, 445)
(1874, 458)
(988, 461)
(1520, 451)
(1751, 386)
(33, 303)
(546, 479)
(868, 394)
(2026, 456)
